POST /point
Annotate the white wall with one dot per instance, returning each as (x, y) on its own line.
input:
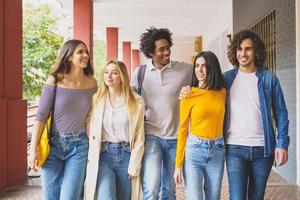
(298, 86)
(215, 38)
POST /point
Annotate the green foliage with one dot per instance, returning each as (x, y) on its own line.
(40, 47)
(99, 57)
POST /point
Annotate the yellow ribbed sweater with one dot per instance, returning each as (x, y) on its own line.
(204, 112)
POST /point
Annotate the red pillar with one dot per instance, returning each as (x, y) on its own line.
(13, 134)
(83, 22)
(111, 43)
(135, 59)
(3, 142)
(127, 56)
(1, 49)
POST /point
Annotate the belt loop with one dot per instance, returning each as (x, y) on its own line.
(105, 144)
(200, 140)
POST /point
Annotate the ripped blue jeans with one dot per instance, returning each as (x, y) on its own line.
(64, 171)
(113, 182)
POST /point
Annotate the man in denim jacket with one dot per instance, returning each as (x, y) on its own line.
(254, 99)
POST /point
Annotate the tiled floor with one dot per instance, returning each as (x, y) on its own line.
(278, 189)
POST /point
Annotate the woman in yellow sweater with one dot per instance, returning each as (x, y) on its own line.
(200, 145)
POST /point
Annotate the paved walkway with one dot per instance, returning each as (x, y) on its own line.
(278, 189)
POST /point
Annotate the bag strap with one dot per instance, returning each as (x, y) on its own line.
(52, 108)
(140, 77)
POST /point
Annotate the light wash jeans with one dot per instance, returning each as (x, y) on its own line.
(158, 168)
(113, 182)
(63, 173)
(248, 171)
(204, 160)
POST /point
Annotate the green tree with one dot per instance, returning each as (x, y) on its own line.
(98, 57)
(40, 47)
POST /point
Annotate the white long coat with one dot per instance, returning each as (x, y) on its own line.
(136, 136)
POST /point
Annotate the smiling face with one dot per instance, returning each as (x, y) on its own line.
(162, 52)
(80, 57)
(246, 54)
(112, 76)
(200, 70)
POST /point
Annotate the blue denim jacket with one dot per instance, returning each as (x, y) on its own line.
(271, 104)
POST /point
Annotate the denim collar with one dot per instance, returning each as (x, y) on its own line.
(258, 73)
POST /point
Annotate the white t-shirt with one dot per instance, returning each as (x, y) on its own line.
(115, 122)
(246, 126)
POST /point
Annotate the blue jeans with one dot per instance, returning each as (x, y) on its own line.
(248, 171)
(204, 160)
(63, 173)
(159, 161)
(113, 182)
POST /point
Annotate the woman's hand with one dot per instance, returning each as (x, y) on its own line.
(178, 176)
(88, 130)
(130, 177)
(32, 159)
(185, 92)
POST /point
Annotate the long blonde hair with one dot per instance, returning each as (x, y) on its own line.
(125, 85)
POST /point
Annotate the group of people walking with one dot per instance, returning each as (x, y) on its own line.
(136, 140)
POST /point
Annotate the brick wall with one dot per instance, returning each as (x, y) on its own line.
(246, 13)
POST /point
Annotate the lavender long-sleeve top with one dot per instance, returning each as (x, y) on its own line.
(71, 107)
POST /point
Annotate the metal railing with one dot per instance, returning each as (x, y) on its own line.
(31, 111)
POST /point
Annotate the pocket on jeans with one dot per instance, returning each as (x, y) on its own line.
(103, 148)
(127, 149)
(220, 146)
(192, 144)
(84, 139)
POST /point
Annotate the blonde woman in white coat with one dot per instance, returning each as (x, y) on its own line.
(116, 135)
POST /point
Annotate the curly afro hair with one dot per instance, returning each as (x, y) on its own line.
(258, 45)
(147, 39)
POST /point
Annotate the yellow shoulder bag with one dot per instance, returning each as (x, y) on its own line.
(43, 146)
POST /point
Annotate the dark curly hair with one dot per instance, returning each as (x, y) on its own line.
(258, 45)
(147, 39)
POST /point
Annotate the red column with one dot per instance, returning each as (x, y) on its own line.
(135, 59)
(111, 43)
(127, 56)
(12, 51)
(13, 134)
(3, 142)
(83, 22)
(3, 109)
(1, 48)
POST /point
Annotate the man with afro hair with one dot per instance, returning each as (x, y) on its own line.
(162, 82)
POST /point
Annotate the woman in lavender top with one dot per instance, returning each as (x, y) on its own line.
(116, 138)
(64, 170)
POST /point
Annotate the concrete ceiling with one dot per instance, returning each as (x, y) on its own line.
(185, 18)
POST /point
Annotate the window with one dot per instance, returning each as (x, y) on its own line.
(265, 28)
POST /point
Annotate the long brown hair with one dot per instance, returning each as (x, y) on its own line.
(258, 45)
(63, 66)
(125, 85)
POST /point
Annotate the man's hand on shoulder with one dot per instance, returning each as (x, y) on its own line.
(185, 92)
